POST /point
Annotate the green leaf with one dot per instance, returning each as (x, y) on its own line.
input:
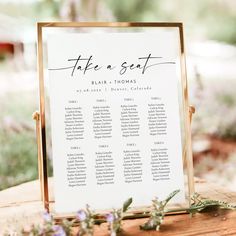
(126, 204)
(171, 196)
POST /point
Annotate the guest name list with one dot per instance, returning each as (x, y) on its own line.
(115, 119)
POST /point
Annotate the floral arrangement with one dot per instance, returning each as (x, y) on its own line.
(86, 219)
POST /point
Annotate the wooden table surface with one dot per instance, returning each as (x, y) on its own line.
(21, 205)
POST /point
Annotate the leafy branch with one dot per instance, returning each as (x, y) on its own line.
(115, 218)
(200, 204)
(86, 221)
(157, 213)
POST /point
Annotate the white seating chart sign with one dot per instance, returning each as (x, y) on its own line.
(115, 118)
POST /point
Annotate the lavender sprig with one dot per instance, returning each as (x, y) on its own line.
(115, 217)
(86, 222)
(49, 227)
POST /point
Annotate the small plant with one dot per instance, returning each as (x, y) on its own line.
(200, 204)
(114, 218)
(49, 228)
(157, 213)
(86, 221)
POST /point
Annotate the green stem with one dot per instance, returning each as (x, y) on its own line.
(184, 210)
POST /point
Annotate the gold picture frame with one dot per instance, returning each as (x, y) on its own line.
(40, 116)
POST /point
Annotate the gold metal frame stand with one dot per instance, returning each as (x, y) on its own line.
(36, 117)
(40, 116)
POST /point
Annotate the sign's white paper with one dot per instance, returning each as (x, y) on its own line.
(115, 118)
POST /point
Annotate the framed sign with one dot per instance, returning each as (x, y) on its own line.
(118, 114)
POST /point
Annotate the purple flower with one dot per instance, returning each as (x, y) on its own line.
(110, 217)
(81, 215)
(58, 230)
(47, 217)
